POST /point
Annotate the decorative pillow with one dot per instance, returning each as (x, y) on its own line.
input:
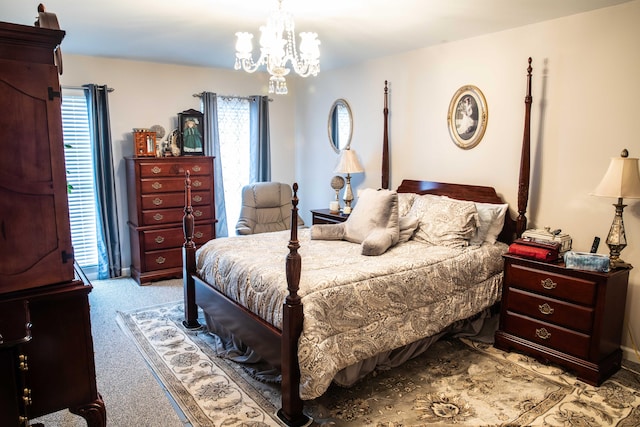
(491, 220)
(373, 223)
(443, 221)
(408, 225)
(405, 201)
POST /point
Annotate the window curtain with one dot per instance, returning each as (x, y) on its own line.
(260, 167)
(209, 102)
(108, 234)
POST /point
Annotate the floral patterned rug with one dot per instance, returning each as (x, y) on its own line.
(457, 382)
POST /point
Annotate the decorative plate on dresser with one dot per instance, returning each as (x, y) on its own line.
(155, 189)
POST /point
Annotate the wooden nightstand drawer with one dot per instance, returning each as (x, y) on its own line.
(325, 216)
(547, 334)
(561, 313)
(554, 285)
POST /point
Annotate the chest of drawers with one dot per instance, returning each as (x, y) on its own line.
(569, 317)
(155, 188)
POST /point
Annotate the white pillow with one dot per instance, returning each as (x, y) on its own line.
(443, 221)
(491, 220)
(405, 201)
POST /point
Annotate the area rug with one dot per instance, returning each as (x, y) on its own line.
(456, 382)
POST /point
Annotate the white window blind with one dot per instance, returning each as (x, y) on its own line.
(234, 130)
(79, 164)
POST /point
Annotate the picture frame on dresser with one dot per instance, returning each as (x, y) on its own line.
(191, 125)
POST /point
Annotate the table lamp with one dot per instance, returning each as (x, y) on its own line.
(622, 180)
(348, 163)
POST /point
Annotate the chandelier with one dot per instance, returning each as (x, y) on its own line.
(277, 47)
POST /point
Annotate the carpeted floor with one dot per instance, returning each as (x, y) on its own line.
(456, 382)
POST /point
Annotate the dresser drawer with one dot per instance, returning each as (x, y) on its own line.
(159, 260)
(170, 216)
(173, 185)
(547, 334)
(174, 237)
(174, 200)
(559, 312)
(154, 169)
(554, 285)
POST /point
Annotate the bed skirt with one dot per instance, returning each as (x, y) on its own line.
(480, 327)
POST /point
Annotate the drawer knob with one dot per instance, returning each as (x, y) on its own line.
(159, 239)
(196, 168)
(545, 309)
(156, 185)
(197, 213)
(197, 198)
(548, 284)
(23, 365)
(157, 201)
(197, 183)
(158, 217)
(198, 234)
(160, 260)
(543, 334)
(156, 170)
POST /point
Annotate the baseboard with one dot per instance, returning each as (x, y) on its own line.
(629, 354)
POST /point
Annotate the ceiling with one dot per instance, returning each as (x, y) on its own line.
(201, 32)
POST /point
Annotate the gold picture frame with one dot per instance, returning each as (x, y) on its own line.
(467, 118)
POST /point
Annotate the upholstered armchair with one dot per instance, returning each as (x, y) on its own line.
(266, 206)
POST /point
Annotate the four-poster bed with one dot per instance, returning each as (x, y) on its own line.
(282, 336)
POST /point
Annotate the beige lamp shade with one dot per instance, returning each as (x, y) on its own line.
(348, 163)
(622, 179)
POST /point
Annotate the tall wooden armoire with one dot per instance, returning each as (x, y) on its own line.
(46, 347)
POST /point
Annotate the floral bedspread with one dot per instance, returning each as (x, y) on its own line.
(355, 306)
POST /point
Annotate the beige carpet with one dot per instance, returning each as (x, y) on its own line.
(456, 382)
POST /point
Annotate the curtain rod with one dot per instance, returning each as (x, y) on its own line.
(199, 95)
(109, 89)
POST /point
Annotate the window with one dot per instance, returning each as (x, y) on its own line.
(235, 134)
(80, 178)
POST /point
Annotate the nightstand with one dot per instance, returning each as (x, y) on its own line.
(325, 216)
(569, 317)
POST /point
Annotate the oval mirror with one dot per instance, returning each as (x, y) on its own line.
(340, 125)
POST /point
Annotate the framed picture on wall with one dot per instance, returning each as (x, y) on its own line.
(467, 118)
(191, 126)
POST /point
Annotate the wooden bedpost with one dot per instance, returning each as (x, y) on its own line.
(292, 316)
(189, 260)
(385, 140)
(523, 182)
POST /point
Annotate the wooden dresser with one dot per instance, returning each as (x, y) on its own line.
(46, 347)
(570, 317)
(155, 189)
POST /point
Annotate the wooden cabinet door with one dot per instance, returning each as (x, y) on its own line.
(35, 237)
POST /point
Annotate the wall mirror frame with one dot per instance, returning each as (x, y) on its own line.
(340, 125)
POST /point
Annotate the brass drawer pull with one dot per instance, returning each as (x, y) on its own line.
(198, 234)
(158, 217)
(23, 365)
(546, 309)
(156, 170)
(159, 239)
(197, 183)
(196, 168)
(157, 201)
(197, 213)
(156, 185)
(543, 333)
(197, 198)
(548, 284)
(160, 260)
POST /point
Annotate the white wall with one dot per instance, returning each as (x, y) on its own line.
(585, 91)
(148, 93)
